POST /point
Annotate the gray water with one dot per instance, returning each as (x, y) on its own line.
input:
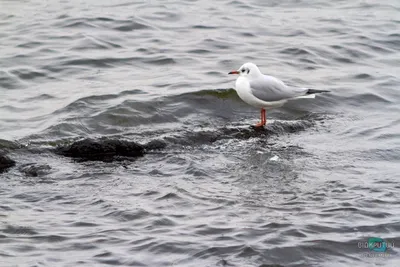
(324, 180)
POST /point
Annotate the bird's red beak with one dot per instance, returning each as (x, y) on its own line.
(234, 72)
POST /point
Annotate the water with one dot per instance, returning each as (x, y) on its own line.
(322, 180)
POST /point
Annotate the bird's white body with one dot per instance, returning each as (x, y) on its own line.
(244, 92)
(264, 91)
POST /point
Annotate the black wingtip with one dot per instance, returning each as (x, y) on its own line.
(315, 91)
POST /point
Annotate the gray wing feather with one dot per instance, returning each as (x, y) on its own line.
(268, 88)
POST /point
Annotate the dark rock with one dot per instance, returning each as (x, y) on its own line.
(275, 128)
(5, 163)
(104, 149)
(8, 145)
(34, 170)
(223, 262)
(155, 145)
(190, 137)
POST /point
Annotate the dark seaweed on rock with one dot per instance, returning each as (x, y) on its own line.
(103, 150)
(5, 163)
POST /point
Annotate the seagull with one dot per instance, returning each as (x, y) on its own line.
(266, 92)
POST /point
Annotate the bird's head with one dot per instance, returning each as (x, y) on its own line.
(248, 70)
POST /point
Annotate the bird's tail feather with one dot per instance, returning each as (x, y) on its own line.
(307, 96)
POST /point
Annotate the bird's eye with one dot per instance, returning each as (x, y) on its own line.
(243, 70)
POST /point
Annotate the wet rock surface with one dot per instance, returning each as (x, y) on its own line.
(109, 150)
(103, 150)
(34, 170)
(9, 145)
(208, 136)
(155, 145)
(5, 162)
(275, 128)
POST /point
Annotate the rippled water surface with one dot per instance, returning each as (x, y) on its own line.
(322, 178)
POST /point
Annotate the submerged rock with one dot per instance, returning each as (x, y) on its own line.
(34, 170)
(104, 150)
(8, 145)
(275, 128)
(155, 145)
(5, 163)
(208, 136)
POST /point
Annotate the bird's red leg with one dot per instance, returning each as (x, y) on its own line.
(262, 123)
(264, 116)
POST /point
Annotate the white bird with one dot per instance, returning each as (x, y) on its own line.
(266, 92)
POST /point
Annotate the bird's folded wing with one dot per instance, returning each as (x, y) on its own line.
(269, 89)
